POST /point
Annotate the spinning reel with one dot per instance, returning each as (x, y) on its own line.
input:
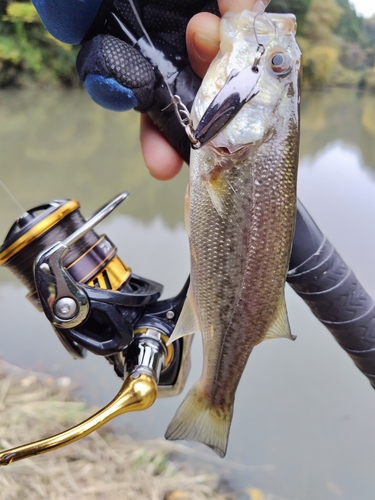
(95, 303)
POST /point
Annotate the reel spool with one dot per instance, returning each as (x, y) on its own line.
(92, 260)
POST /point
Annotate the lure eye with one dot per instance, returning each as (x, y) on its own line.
(281, 63)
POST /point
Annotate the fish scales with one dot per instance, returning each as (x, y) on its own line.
(244, 250)
(240, 219)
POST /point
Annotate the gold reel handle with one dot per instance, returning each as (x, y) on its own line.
(138, 392)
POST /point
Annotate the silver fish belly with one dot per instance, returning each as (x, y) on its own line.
(240, 220)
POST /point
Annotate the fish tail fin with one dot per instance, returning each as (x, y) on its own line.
(197, 420)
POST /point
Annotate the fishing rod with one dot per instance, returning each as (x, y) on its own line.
(95, 303)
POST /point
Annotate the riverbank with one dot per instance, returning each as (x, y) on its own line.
(34, 406)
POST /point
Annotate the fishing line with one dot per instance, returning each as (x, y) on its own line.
(11, 196)
(261, 48)
(156, 52)
(181, 110)
(255, 28)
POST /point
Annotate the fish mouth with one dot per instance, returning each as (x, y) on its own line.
(224, 152)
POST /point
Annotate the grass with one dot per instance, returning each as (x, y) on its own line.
(34, 406)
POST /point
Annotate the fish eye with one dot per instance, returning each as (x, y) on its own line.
(281, 63)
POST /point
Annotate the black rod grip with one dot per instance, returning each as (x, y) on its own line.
(335, 296)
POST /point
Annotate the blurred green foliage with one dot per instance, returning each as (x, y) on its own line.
(338, 46)
(28, 54)
(298, 7)
(349, 25)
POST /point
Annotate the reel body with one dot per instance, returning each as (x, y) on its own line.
(95, 303)
(92, 299)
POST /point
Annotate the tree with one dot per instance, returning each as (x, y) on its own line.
(297, 7)
(350, 25)
(321, 20)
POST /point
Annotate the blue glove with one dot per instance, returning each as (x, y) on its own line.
(114, 73)
(68, 20)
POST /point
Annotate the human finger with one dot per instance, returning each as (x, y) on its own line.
(240, 5)
(203, 32)
(160, 158)
(202, 41)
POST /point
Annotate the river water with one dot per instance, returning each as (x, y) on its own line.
(304, 421)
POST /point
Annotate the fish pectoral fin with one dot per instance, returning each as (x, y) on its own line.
(197, 420)
(187, 323)
(220, 192)
(280, 326)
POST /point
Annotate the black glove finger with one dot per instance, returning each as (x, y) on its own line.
(115, 75)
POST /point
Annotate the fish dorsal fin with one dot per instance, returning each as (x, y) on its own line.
(280, 325)
(187, 323)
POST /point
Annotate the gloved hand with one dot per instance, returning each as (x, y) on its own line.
(114, 73)
(114, 81)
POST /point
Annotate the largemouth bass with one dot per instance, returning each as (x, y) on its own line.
(240, 220)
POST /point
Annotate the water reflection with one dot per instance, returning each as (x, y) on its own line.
(339, 115)
(60, 145)
(304, 422)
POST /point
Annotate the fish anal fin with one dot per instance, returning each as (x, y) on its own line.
(280, 327)
(197, 420)
(187, 323)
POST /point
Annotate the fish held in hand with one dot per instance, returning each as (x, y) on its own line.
(240, 217)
